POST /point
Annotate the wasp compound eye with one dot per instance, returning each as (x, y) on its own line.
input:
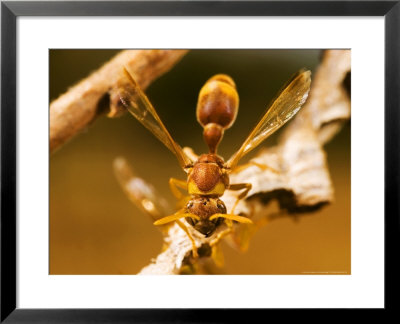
(221, 207)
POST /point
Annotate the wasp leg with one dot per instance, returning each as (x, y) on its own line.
(221, 235)
(175, 217)
(194, 247)
(216, 251)
(252, 163)
(174, 184)
(242, 235)
(240, 186)
(217, 256)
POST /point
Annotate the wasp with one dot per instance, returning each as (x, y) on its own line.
(208, 174)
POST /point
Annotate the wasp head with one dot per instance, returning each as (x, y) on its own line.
(205, 207)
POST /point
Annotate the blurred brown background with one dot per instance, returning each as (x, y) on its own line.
(95, 229)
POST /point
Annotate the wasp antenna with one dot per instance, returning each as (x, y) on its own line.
(237, 218)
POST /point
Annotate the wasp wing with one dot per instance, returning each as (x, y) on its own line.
(136, 102)
(286, 104)
(141, 193)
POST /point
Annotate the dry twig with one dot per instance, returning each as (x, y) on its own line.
(79, 106)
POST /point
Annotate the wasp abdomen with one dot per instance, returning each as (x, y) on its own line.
(217, 107)
(218, 102)
(212, 135)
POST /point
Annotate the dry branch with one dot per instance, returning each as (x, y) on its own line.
(303, 182)
(78, 107)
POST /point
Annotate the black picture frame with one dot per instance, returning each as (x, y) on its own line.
(10, 10)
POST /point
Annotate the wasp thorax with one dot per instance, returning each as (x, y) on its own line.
(208, 177)
(205, 207)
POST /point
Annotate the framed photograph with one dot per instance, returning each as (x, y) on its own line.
(147, 183)
(271, 198)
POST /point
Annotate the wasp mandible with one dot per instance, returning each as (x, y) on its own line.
(208, 174)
